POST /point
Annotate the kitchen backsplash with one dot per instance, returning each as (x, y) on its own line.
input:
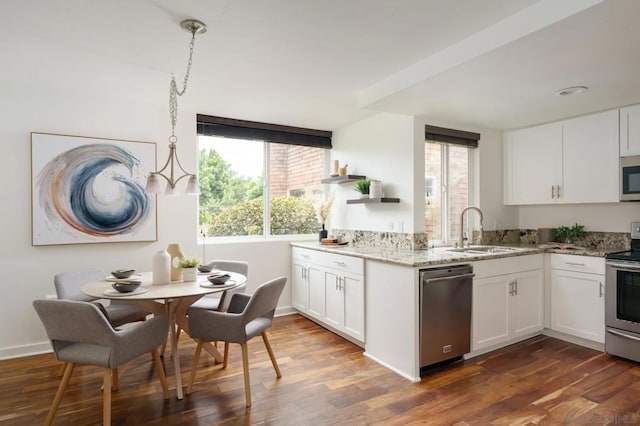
(601, 241)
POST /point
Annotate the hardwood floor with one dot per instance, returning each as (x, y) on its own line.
(326, 380)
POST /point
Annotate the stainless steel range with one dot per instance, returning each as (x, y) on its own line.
(622, 300)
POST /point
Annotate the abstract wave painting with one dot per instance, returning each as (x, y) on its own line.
(90, 190)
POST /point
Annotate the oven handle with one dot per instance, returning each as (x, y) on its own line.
(621, 334)
(624, 267)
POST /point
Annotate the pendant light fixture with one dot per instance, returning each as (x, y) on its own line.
(172, 171)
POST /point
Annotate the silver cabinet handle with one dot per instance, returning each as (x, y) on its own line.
(575, 264)
(515, 286)
(601, 290)
(512, 288)
(558, 191)
(337, 279)
(553, 193)
(339, 263)
(306, 256)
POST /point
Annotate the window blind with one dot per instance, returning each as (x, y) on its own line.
(451, 136)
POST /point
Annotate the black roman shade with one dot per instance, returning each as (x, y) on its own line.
(451, 136)
(208, 125)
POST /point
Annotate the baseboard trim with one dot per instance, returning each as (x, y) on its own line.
(395, 370)
(287, 310)
(575, 340)
(25, 350)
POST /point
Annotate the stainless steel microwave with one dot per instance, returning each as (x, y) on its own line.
(630, 178)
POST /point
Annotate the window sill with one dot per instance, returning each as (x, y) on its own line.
(257, 239)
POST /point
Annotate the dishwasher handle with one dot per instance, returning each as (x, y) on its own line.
(449, 278)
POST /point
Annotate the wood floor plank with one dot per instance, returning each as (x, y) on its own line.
(328, 381)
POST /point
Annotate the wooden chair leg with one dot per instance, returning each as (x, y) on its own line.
(63, 386)
(62, 368)
(106, 396)
(273, 358)
(245, 367)
(178, 333)
(226, 355)
(161, 374)
(194, 366)
(114, 379)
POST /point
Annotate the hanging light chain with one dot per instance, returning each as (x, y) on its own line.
(174, 92)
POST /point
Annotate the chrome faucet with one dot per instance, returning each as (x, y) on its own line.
(462, 224)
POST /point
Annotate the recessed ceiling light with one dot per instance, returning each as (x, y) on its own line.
(571, 90)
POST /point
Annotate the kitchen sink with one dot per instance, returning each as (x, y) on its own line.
(485, 250)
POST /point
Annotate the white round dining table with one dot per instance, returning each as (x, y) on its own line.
(174, 299)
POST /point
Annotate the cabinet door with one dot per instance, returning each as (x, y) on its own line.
(334, 309)
(353, 289)
(315, 278)
(526, 303)
(630, 131)
(300, 287)
(491, 312)
(533, 159)
(590, 154)
(577, 304)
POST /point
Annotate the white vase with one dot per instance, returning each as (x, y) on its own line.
(375, 190)
(161, 268)
(176, 254)
(189, 274)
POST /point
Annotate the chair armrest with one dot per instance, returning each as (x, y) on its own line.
(238, 302)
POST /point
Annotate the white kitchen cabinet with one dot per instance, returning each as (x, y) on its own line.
(332, 286)
(577, 296)
(345, 302)
(507, 300)
(533, 159)
(571, 161)
(630, 131)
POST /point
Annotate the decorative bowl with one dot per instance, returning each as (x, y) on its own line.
(206, 268)
(218, 278)
(123, 273)
(127, 287)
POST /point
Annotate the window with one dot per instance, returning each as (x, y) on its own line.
(245, 180)
(447, 181)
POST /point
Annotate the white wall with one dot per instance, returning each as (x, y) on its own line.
(28, 108)
(608, 217)
(380, 147)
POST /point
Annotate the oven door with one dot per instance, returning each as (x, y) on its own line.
(622, 295)
(630, 178)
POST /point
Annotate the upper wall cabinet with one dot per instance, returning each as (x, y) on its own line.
(630, 131)
(571, 161)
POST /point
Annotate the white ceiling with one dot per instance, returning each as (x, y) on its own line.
(325, 63)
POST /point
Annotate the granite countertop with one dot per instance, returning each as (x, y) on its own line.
(438, 255)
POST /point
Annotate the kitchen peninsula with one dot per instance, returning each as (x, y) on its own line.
(384, 307)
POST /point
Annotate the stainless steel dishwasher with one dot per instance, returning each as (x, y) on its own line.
(445, 313)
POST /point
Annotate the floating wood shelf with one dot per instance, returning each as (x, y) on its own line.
(373, 200)
(343, 179)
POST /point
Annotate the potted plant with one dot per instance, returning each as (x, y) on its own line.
(569, 234)
(363, 186)
(323, 213)
(189, 268)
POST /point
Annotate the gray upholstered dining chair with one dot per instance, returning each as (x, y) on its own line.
(216, 302)
(246, 318)
(119, 312)
(220, 301)
(81, 334)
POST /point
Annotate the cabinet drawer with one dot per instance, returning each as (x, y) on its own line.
(568, 262)
(507, 265)
(352, 264)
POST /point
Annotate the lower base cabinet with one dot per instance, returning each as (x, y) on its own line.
(330, 289)
(577, 296)
(507, 300)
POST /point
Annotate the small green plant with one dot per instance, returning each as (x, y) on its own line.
(569, 234)
(189, 262)
(363, 185)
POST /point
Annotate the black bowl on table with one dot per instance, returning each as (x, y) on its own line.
(123, 273)
(206, 268)
(126, 287)
(218, 279)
